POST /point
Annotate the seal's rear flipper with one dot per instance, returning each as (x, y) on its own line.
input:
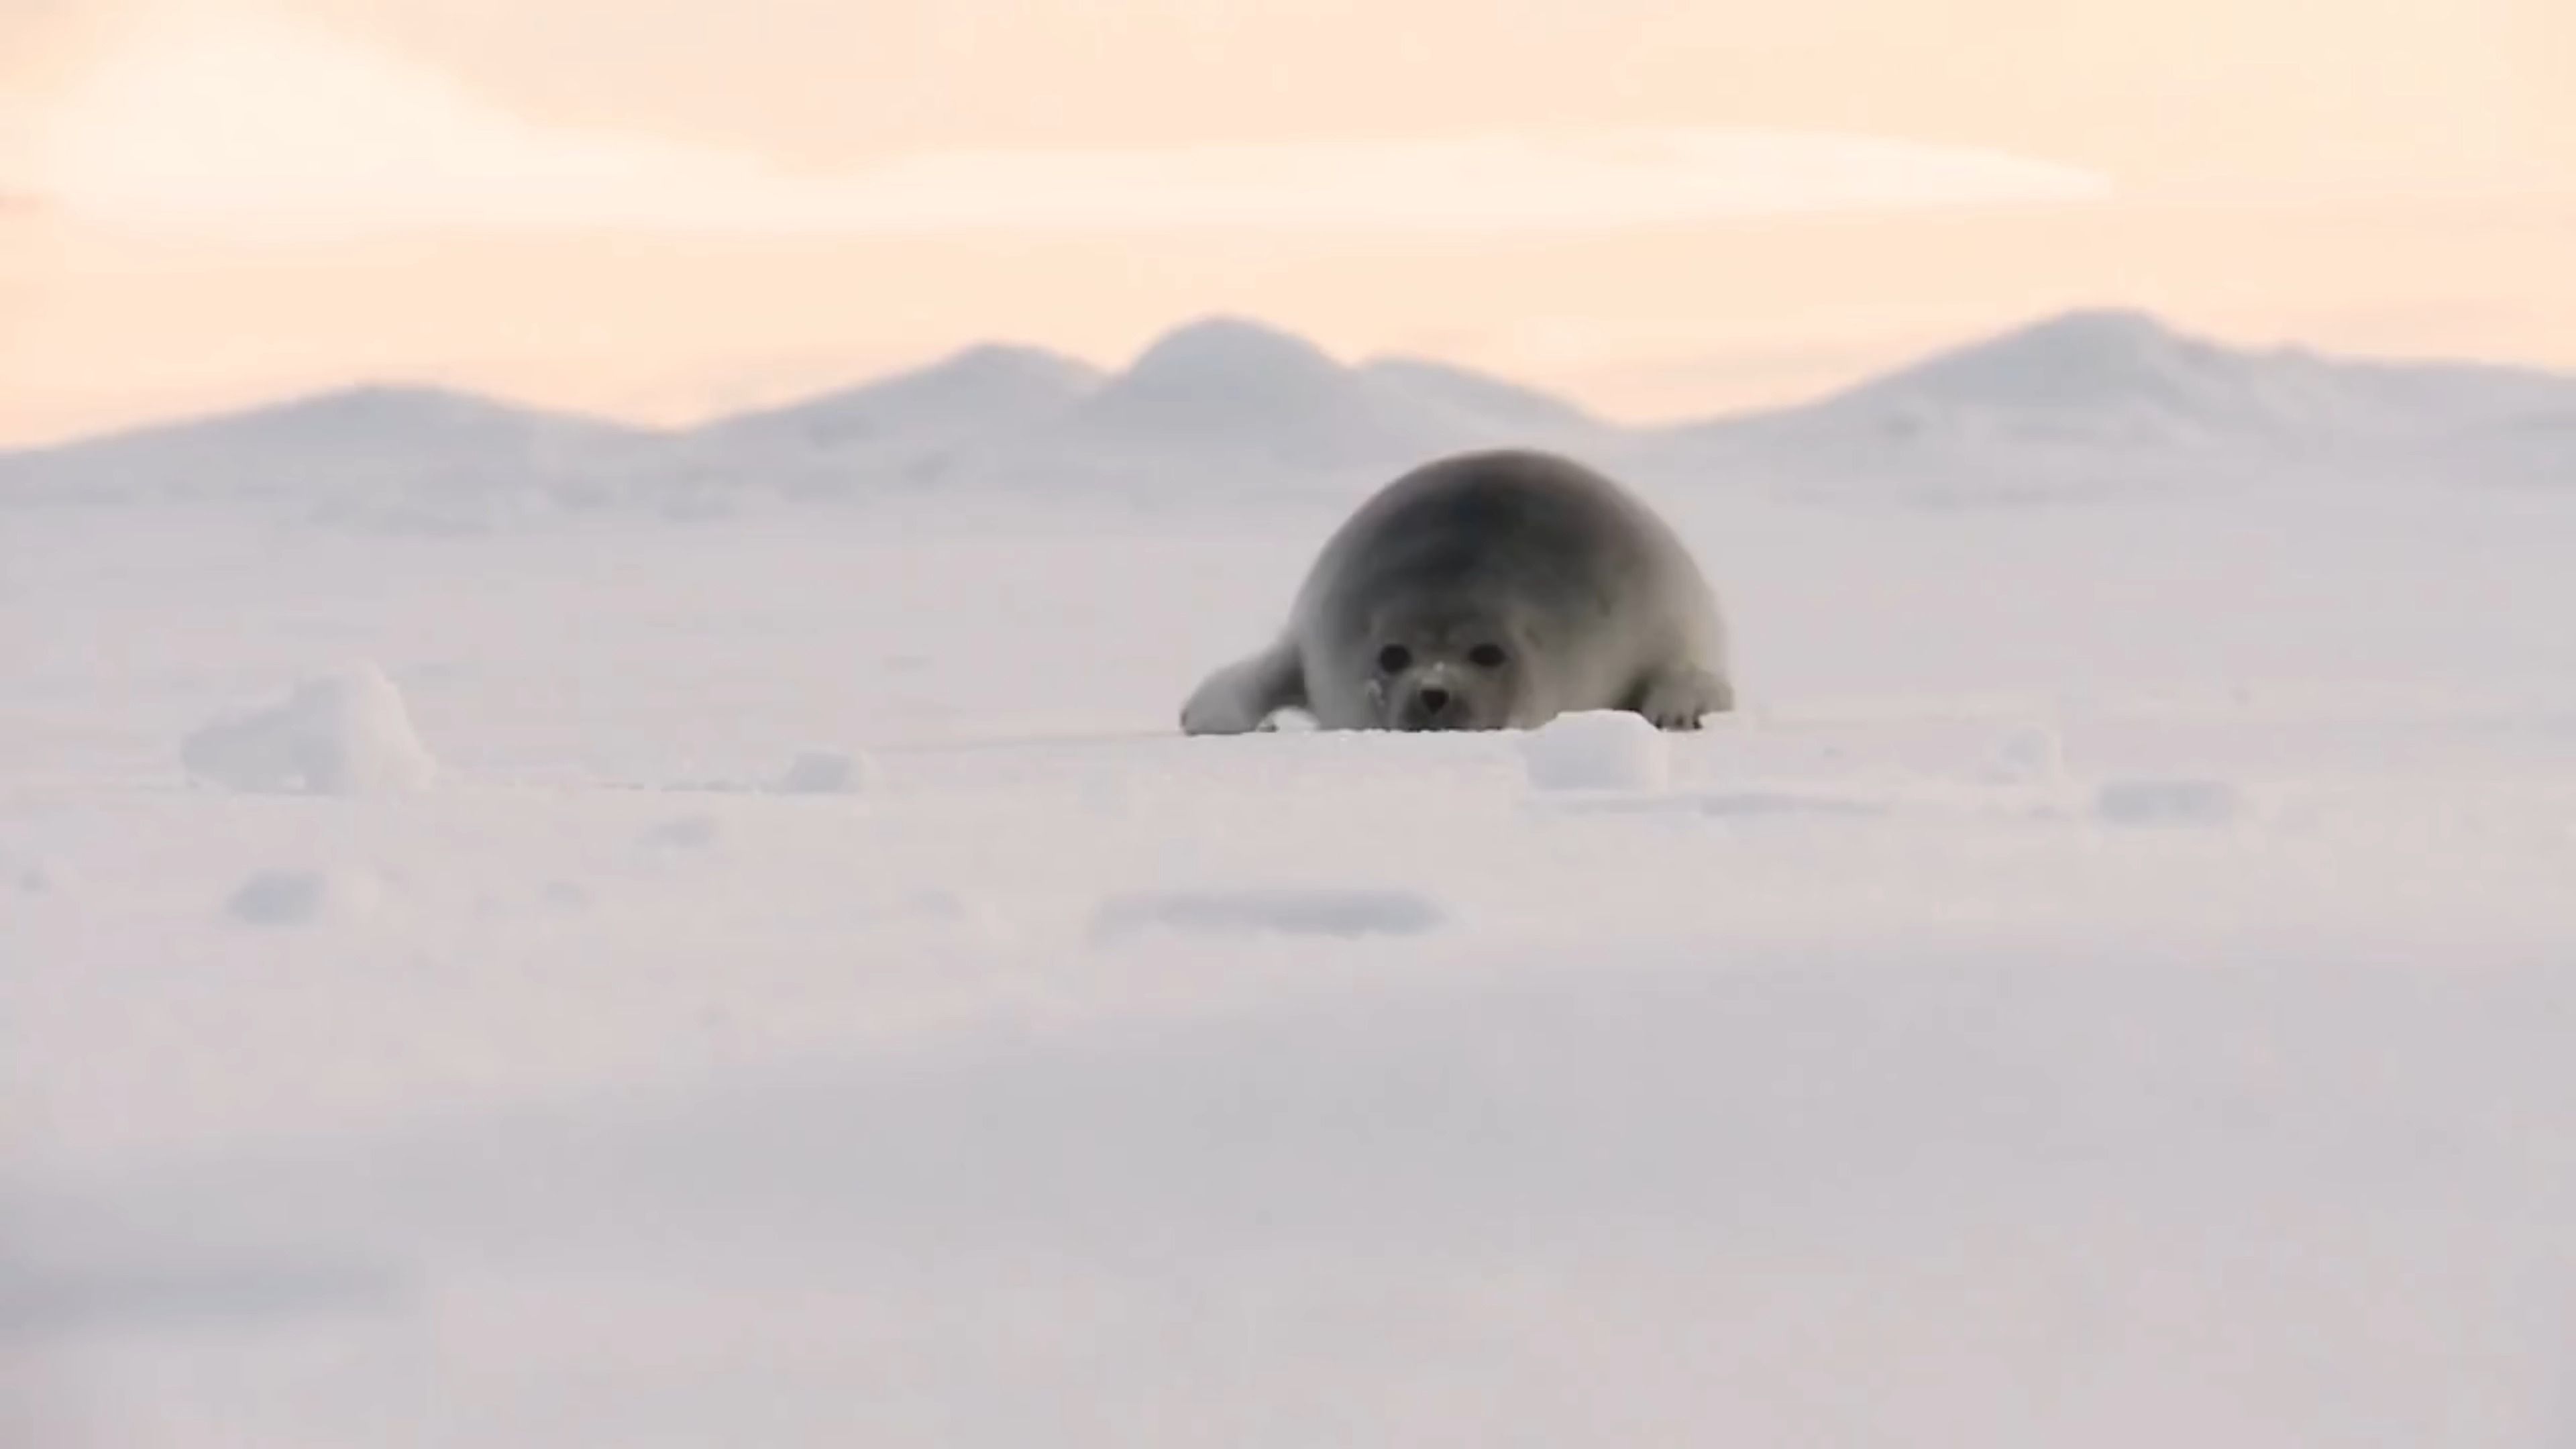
(1243, 695)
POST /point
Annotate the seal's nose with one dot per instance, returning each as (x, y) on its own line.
(1434, 699)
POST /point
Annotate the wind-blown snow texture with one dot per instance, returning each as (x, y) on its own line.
(2111, 986)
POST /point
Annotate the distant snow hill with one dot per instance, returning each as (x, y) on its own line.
(2103, 399)
(2073, 405)
(362, 443)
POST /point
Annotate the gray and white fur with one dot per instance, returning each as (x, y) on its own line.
(1487, 590)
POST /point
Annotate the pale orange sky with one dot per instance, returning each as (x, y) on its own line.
(535, 178)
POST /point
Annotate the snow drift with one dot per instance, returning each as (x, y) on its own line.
(346, 733)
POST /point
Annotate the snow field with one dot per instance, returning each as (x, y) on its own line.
(2108, 986)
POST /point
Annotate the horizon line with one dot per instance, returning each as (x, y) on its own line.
(931, 361)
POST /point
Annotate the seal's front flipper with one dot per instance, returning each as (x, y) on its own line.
(1677, 698)
(1243, 695)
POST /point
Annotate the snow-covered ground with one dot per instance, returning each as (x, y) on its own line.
(783, 981)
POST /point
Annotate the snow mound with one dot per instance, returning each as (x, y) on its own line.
(2031, 754)
(1276, 911)
(946, 909)
(347, 733)
(826, 772)
(28, 875)
(1597, 750)
(301, 897)
(2169, 802)
(682, 832)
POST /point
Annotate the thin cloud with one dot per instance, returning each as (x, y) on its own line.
(245, 127)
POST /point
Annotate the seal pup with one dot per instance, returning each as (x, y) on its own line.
(1487, 590)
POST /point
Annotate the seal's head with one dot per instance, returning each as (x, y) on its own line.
(1449, 669)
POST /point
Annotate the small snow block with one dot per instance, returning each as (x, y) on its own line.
(1597, 750)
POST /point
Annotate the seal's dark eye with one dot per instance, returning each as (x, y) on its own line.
(1393, 658)
(1486, 656)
